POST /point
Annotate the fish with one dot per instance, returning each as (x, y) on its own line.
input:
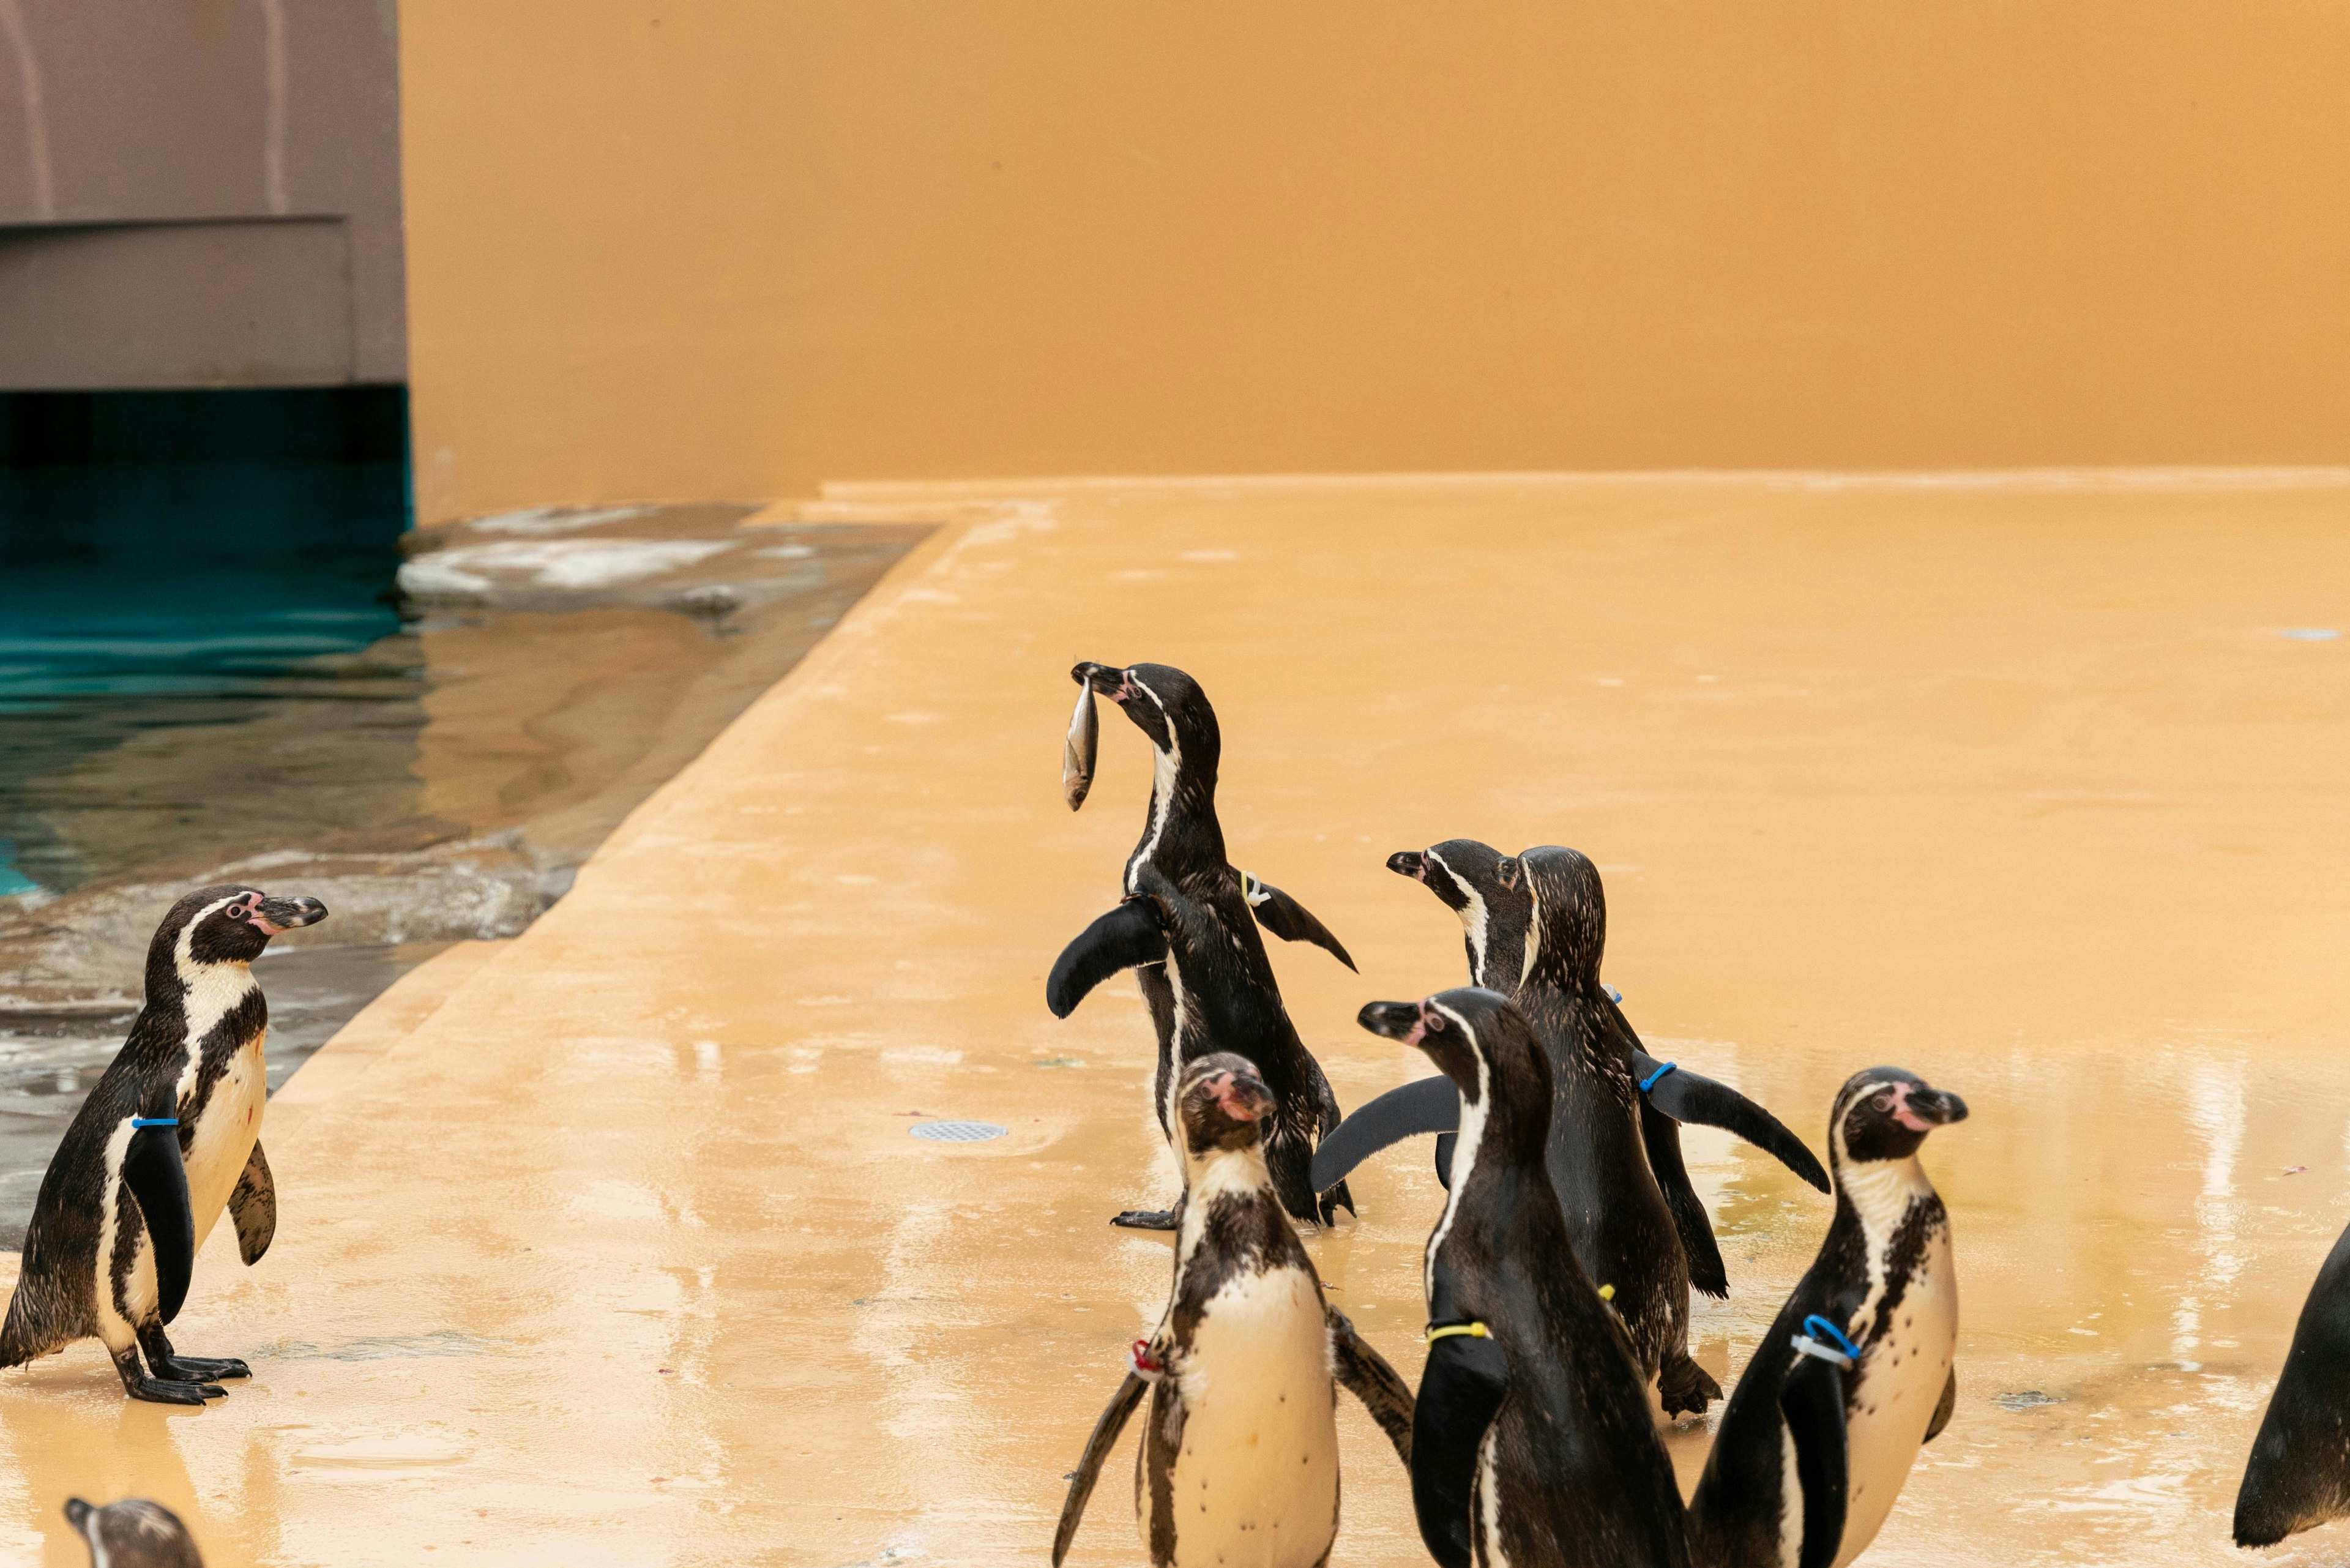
(1078, 751)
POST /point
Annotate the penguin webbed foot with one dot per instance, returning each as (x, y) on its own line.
(170, 1366)
(201, 1369)
(139, 1385)
(1145, 1219)
(1685, 1387)
(166, 1391)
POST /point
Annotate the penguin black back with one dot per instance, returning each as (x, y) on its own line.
(1533, 1440)
(2299, 1473)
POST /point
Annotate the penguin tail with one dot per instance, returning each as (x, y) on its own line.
(21, 1339)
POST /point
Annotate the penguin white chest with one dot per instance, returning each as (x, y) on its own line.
(226, 1130)
(1255, 1484)
(1901, 1381)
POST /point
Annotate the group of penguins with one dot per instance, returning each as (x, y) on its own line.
(1557, 1275)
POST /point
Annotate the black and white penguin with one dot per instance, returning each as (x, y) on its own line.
(2299, 1475)
(1534, 1443)
(134, 1534)
(1857, 1371)
(1480, 885)
(168, 1138)
(1185, 926)
(1239, 1459)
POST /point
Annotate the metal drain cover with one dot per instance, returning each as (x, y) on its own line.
(957, 1132)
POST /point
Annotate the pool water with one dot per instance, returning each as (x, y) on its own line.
(249, 668)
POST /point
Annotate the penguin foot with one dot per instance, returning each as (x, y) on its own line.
(1684, 1387)
(199, 1368)
(1146, 1220)
(167, 1391)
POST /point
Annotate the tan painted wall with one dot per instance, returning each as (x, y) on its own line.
(734, 247)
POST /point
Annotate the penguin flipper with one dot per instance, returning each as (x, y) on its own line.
(152, 1170)
(1463, 1384)
(1429, 1104)
(1114, 1417)
(253, 1208)
(1811, 1404)
(1687, 1096)
(1290, 921)
(1363, 1372)
(1127, 937)
(1662, 1135)
(1942, 1409)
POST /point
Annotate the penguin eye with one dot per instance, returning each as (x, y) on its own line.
(1883, 1102)
(1436, 1023)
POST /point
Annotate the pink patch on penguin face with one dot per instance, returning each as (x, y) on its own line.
(1904, 1114)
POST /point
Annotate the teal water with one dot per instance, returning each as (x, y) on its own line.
(172, 591)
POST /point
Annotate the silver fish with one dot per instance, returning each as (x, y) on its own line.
(1078, 749)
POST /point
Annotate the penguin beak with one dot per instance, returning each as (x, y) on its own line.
(1923, 1109)
(1244, 1098)
(272, 916)
(1403, 1021)
(78, 1514)
(1107, 680)
(1408, 863)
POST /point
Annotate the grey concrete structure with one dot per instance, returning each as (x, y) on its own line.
(199, 193)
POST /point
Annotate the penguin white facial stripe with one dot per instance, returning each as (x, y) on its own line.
(1533, 932)
(1472, 918)
(1467, 1137)
(1166, 764)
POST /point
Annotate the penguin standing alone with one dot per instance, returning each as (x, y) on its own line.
(1185, 927)
(1533, 1442)
(1239, 1461)
(1856, 1373)
(168, 1138)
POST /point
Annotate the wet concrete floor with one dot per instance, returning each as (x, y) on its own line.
(624, 1255)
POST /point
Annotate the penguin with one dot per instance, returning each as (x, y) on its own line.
(1185, 927)
(134, 1534)
(168, 1138)
(1533, 1440)
(1479, 883)
(1856, 1373)
(1239, 1461)
(2299, 1473)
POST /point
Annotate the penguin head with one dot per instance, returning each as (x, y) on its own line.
(228, 923)
(1488, 890)
(1484, 1046)
(1885, 1114)
(1165, 704)
(134, 1534)
(1222, 1103)
(1570, 920)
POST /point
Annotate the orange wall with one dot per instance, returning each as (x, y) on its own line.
(734, 247)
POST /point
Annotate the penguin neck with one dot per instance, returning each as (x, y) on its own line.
(1218, 1173)
(1183, 826)
(1877, 1194)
